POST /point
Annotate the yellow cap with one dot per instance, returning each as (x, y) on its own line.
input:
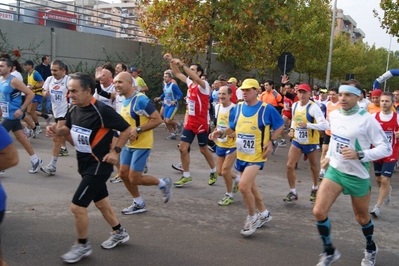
(250, 84)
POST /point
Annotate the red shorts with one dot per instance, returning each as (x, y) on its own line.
(287, 114)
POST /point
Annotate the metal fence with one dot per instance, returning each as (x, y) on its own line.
(90, 16)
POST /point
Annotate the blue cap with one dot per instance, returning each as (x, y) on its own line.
(133, 69)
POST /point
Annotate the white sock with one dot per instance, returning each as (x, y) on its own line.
(63, 147)
(323, 171)
(54, 161)
(265, 213)
(161, 183)
(34, 158)
(213, 170)
(293, 190)
(230, 194)
(186, 174)
(138, 200)
(238, 177)
(315, 187)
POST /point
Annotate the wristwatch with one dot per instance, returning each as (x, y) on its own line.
(117, 149)
(139, 130)
(274, 142)
(360, 155)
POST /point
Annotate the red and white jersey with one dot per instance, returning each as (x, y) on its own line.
(197, 107)
(390, 125)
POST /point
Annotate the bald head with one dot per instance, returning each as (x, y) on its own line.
(123, 84)
(106, 77)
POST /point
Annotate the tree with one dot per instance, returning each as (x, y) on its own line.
(249, 33)
(389, 21)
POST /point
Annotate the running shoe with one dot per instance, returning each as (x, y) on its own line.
(274, 149)
(48, 119)
(321, 175)
(369, 257)
(235, 186)
(263, 220)
(183, 181)
(211, 148)
(2, 172)
(327, 260)
(171, 137)
(313, 195)
(116, 238)
(376, 211)
(35, 166)
(388, 199)
(250, 226)
(179, 128)
(282, 143)
(28, 133)
(134, 208)
(63, 152)
(213, 177)
(35, 133)
(166, 190)
(290, 197)
(146, 168)
(178, 167)
(77, 252)
(116, 179)
(227, 200)
(38, 130)
(49, 169)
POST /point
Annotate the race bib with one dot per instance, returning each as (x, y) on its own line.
(246, 143)
(167, 102)
(191, 107)
(301, 134)
(57, 97)
(287, 106)
(81, 138)
(5, 107)
(340, 143)
(389, 137)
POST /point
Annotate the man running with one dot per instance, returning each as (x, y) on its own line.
(55, 87)
(383, 168)
(225, 147)
(349, 155)
(90, 124)
(252, 123)
(307, 120)
(141, 114)
(197, 118)
(12, 108)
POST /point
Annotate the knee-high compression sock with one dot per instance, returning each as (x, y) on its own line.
(324, 228)
(368, 232)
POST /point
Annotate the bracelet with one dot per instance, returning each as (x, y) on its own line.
(23, 109)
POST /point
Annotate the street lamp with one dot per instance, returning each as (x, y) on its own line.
(331, 45)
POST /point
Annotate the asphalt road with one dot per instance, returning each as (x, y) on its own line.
(191, 229)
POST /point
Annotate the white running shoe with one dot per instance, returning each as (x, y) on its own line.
(250, 226)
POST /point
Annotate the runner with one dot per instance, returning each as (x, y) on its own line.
(252, 123)
(307, 120)
(383, 168)
(225, 147)
(12, 108)
(55, 87)
(197, 119)
(349, 154)
(90, 123)
(139, 112)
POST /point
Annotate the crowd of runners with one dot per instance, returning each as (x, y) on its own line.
(109, 121)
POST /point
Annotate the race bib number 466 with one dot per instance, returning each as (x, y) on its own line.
(81, 138)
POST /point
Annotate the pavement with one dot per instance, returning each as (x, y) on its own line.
(191, 229)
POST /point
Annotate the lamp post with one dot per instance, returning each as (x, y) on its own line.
(331, 45)
(389, 54)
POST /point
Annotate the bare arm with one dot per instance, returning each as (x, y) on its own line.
(19, 85)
